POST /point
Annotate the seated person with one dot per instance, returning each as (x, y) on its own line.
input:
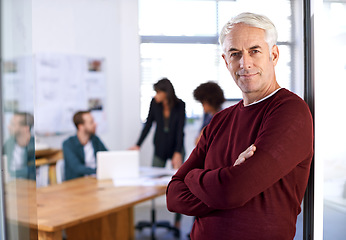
(20, 147)
(80, 150)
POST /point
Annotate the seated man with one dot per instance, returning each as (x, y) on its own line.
(80, 150)
(20, 147)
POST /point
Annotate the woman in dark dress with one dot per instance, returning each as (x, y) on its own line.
(168, 112)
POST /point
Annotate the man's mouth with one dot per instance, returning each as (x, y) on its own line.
(247, 75)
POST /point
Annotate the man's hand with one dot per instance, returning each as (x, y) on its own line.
(249, 152)
(177, 160)
(134, 148)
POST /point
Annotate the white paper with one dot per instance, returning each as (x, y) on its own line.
(149, 176)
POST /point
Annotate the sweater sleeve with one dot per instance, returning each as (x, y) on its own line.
(284, 142)
(148, 124)
(178, 196)
(180, 130)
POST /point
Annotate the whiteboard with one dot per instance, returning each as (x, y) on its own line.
(65, 84)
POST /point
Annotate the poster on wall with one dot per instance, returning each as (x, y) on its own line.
(64, 85)
(17, 88)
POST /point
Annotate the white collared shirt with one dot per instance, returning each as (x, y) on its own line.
(18, 160)
(89, 155)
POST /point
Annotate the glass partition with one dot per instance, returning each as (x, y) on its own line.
(330, 113)
(18, 180)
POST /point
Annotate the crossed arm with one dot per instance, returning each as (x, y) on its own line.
(187, 203)
(284, 143)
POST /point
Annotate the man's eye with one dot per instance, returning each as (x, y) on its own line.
(235, 54)
(255, 51)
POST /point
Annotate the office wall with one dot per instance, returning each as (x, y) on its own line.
(105, 29)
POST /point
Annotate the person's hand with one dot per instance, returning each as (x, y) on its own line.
(134, 148)
(249, 152)
(177, 160)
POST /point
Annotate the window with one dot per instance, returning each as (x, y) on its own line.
(330, 153)
(179, 40)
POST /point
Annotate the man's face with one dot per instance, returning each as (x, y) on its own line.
(249, 59)
(89, 126)
(15, 126)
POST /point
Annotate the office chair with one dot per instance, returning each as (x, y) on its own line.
(154, 224)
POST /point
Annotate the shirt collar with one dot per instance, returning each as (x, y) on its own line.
(266, 97)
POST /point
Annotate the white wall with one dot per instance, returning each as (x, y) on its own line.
(105, 29)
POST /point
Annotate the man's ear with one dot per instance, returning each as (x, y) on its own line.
(79, 127)
(275, 54)
(224, 58)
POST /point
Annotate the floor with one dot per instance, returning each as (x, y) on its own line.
(143, 213)
(334, 221)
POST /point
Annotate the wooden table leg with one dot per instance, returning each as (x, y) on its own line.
(49, 235)
(115, 226)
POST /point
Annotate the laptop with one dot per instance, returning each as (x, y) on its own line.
(117, 164)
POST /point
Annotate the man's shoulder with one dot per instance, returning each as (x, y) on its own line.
(287, 94)
(95, 138)
(287, 97)
(10, 141)
(224, 114)
(287, 103)
(72, 140)
(9, 145)
(97, 143)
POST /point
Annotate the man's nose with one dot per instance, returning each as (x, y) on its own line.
(245, 61)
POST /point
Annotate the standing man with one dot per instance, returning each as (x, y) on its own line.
(247, 176)
(80, 150)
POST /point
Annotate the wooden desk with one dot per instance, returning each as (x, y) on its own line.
(87, 209)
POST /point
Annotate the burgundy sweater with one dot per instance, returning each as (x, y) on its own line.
(260, 198)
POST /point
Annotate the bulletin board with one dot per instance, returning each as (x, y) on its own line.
(17, 88)
(64, 85)
(18, 85)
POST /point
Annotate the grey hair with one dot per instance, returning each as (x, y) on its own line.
(253, 20)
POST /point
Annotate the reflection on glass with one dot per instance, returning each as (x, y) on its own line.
(17, 140)
(19, 148)
(330, 116)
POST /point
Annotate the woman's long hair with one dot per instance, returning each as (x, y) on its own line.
(166, 86)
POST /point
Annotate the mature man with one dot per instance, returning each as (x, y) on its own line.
(20, 147)
(80, 150)
(247, 176)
